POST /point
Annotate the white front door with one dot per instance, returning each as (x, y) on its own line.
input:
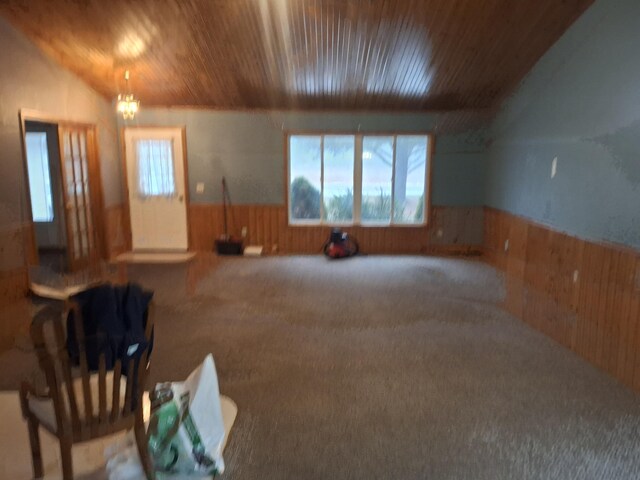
(156, 181)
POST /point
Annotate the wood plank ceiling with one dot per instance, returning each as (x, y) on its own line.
(413, 55)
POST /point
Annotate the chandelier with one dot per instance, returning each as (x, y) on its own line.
(127, 103)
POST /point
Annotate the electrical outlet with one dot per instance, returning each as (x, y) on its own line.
(506, 245)
(576, 276)
(200, 187)
(439, 233)
(244, 232)
(554, 167)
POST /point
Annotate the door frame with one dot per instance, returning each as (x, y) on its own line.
(31, 249)
(125, 179)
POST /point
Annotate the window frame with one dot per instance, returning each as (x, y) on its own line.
(357, 178)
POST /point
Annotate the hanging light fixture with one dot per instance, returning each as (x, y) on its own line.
(127, 103)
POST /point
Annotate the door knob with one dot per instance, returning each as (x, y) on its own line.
(181, 198)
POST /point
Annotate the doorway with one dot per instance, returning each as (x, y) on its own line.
(45, 188)
(64, 193)
(156, 185)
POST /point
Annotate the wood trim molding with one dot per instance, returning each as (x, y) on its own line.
(32, 115)
(116, 230)
(31, 249)
(125, 189)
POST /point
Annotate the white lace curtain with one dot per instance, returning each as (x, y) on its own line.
(155, 168)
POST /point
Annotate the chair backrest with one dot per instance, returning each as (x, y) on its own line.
(87, 405)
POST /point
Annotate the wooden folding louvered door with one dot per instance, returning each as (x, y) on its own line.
(78, 163)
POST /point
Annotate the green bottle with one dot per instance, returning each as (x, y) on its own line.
(171, 451)
(163, 427)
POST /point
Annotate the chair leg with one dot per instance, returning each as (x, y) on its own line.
(65, 456)
(34, 440)
(143, 448)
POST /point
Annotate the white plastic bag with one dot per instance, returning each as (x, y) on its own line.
(201, 395)
(186, 429)
(123, 461)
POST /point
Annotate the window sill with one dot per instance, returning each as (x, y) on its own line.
(359, 225)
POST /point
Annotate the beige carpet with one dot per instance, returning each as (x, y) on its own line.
(383, 367)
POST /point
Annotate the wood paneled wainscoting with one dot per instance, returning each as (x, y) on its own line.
(584, 295)
(16, 244)
(453, 230)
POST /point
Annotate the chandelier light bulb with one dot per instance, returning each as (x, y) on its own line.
(127, 103)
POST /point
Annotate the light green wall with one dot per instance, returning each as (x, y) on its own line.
(581, 105)
(248, 149)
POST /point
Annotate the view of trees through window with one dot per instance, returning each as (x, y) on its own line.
(384, 184)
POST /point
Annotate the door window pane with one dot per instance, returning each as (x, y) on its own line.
(305, 170)
(338, 177)
(39, 176)
(377, 172)
(409, 180)
(156, 176)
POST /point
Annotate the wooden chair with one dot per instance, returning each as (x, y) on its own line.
(83, 406)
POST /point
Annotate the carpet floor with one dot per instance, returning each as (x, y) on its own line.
(382, 367)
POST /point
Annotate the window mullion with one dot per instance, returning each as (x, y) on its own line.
(393, 181)
(322, 219)
(288, 186)
(357, 180)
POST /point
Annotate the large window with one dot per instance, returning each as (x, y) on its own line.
(39, 177)
(361, 179)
